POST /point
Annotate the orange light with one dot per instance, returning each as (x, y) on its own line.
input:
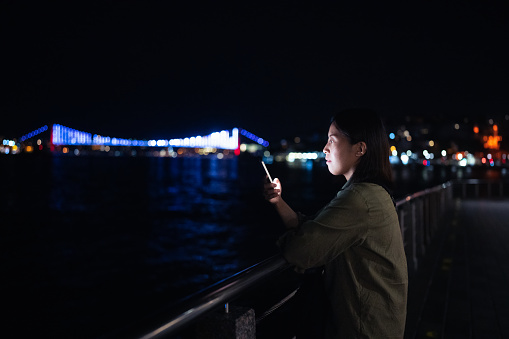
(492, 142)
(495, 128)
(476, 129)
(483, 160)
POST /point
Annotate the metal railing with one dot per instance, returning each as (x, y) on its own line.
(217, 296)
(420, 216)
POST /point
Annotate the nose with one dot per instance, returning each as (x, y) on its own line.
(325, 149)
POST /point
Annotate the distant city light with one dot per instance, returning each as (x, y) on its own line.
(394, 152)
(292, 156)
(404, 159)
(393, 159)
(8, 142)
(222, 143)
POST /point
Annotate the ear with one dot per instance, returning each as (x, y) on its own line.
(361, 148)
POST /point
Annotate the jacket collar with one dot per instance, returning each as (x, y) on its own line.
(348, 184)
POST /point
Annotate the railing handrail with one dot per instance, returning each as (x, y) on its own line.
(422, 193)
(218, 294)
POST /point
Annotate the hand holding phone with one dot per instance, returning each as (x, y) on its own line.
(272, 189)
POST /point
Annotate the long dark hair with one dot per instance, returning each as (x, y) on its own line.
(365, 125)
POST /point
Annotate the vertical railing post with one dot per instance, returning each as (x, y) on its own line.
(418, 213)
(425, 210)
(234, 323)
(434, 199)
(415, 262)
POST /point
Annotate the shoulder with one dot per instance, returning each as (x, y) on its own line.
(362, 191)
(366, 188)
(369, 195)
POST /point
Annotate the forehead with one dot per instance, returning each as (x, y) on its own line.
(334, 131)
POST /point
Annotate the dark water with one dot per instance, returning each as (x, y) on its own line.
(90, 244)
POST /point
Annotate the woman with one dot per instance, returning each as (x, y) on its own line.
(356, 238)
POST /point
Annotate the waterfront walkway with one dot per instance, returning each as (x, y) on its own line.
(462, 288)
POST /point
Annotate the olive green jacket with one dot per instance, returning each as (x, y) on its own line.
(357, 238)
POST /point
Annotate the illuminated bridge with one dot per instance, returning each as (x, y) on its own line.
(57, 137)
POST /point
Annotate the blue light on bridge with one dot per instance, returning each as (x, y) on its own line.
(34, 133)
(255, 138)
(223, 140)
(215, 140)
(67, 136)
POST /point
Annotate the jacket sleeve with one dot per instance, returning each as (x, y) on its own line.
(338, 226)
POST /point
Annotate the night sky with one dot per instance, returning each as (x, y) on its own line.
(143, 69)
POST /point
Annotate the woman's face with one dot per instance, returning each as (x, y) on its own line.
(341, 156)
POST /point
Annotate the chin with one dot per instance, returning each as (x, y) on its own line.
(333, 172)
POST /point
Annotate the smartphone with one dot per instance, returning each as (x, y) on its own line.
(267, 171)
